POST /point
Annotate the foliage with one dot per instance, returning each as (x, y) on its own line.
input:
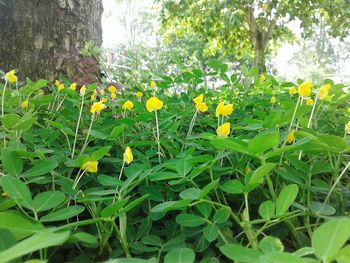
(180, 193)
(237, 28)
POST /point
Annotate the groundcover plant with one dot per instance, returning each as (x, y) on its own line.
(255, 171)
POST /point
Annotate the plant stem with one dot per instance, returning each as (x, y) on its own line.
(78, 179)
(88, 134)
(122, 241)
(77, 128)
(158, 141)
(3, 99)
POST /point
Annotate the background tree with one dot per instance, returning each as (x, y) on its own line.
(37, 36)
(236, 28)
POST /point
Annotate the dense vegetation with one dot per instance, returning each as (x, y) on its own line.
(173, 171)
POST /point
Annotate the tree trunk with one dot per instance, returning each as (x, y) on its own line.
(259, 52)
(37, 35)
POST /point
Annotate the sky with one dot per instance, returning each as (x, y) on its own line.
(114, 33)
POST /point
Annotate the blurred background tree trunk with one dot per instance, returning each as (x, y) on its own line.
(37, 35)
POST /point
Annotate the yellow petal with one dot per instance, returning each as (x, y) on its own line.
(273, 100)
(291, 137)
(128, 105)
(152, 84)
(139, 94)
(24, 104)
(154, 104)
(201, 106)
(97, 107)
(199, 99)
(112, 89)
(128, 157)
(223, 130)
(309, 102)
(305, 89)
(91, 167)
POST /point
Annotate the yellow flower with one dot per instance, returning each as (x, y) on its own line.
(112, 89)
(347, 127)
(223, 130)
(102, 92)
(104, 100)
(153, 84)
(309, 102)
(4, 194)
(199, 99)
(10, 76)
(82, 91)
(305, 89)
(273, 100)
(41, 92)
(262, 77)
(323, 92)
(154, 104)
(128, 157)
(97, 107)
(93, 97)
(91, 167)
(57, 83)
(60, 87)
(113, 95)
(291, 137)
(201, 106)
(292, 90)
(73, 86)
(138, 94)
(128, 105)
(24, 104)
(94, 94)
(223, 109)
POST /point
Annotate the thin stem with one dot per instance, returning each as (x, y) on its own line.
(88, 134)
(294, 114)
(60, 104)
(3, 99)
(192, 123)
(309, 123)
(335, 183)
(78, 179)
(122, 241)
(158, 141)
(77, 128)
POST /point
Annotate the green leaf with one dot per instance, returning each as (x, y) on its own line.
(96, 155)
(19, 226)
(279, 257)
(11, 162)
(267, 209)
(17, 190)
(47, 200)
(113, 208)
(211, 232)
(240, 253)
(170, 205)
(190, 220)
(264, 142)
(208, 188)
(180, 255)
(221, 215)
(190, 193)
(7, 240)
(205, 209)
(10, 120)
(270, 244)
(84, 238)
(40, 168)
(183, 166)
(232, 187)
(286, 198)
(36, 242)
(328, 239)
(258, 175)
(322, 209)
(175, 58)
(134, 203)
(63, 214)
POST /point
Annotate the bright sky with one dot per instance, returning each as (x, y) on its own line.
(114, 33)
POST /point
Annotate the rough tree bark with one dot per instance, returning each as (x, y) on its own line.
(35, 35)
